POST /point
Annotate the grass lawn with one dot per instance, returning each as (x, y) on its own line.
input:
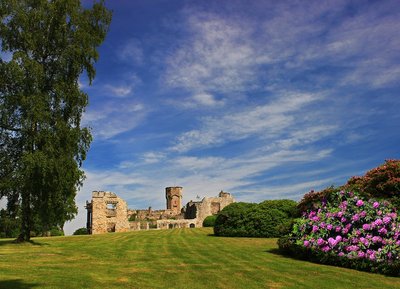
(179, 258)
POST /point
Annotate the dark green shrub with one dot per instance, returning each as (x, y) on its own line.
(81, 231)
(268, 219)
(56, 232)
(232, 220)
(9, 225)
(209, 221)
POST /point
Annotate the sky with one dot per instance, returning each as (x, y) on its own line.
(263, 99)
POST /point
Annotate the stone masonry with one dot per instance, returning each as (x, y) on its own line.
(108, 213)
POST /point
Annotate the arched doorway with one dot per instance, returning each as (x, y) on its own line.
(192, 225)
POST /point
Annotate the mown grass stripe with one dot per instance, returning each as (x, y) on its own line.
(177, 258)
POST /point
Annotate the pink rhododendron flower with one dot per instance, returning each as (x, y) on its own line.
(375, 205)
(366, 227)
(325, 248)
(378, 222)
(320, 242)
(359, 203)
(306, 243)
(332, 242)
(382, 231)
(355, 217)
(315, 219)
(352, 248)
(386, 220)
(329, 227)
(376, 239)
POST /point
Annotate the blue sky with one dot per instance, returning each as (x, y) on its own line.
(263, 99)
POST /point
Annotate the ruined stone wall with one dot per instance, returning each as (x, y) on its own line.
(207, 207)
(109, 213)
(172, 224)
(173, 197)
(148, 215)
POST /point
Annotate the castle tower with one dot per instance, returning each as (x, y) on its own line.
(174, 198)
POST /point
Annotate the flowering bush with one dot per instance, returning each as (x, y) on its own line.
(380, 182)
(350, 231)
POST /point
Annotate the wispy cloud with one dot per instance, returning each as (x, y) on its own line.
(153, 157)
(132, 52)
(270, 120)
(215, 58)
(120, 91)
(114, 118)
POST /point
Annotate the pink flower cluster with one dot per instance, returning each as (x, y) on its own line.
(349, 226)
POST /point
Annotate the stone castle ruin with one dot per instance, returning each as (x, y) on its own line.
(108, 213)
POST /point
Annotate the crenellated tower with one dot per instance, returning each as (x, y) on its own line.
(174, 198)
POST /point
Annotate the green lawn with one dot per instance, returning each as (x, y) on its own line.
(179, 258)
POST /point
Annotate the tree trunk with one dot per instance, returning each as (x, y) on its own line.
(26, 223)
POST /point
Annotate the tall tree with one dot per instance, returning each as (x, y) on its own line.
(42, 143)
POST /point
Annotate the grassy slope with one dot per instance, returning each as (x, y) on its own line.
(180, 258)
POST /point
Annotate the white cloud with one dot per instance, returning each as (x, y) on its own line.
(153, 157)
(206, 99)
(114, 118)
(120, 91)
(270, 120)
(216, 57)
(132, 52)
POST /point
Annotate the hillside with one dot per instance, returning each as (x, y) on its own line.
(179, 258)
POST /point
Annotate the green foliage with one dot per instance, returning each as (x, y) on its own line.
(9, 225)
(209, 221)
(56, 232)
(272, 218)
(42, 142)
(81, 231)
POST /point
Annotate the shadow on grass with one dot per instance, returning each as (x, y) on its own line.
(12, 242)
(17, 284)
(278, 252)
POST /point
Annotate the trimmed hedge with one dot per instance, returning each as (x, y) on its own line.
(209, 221)
(269, 219)
(81, 231)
